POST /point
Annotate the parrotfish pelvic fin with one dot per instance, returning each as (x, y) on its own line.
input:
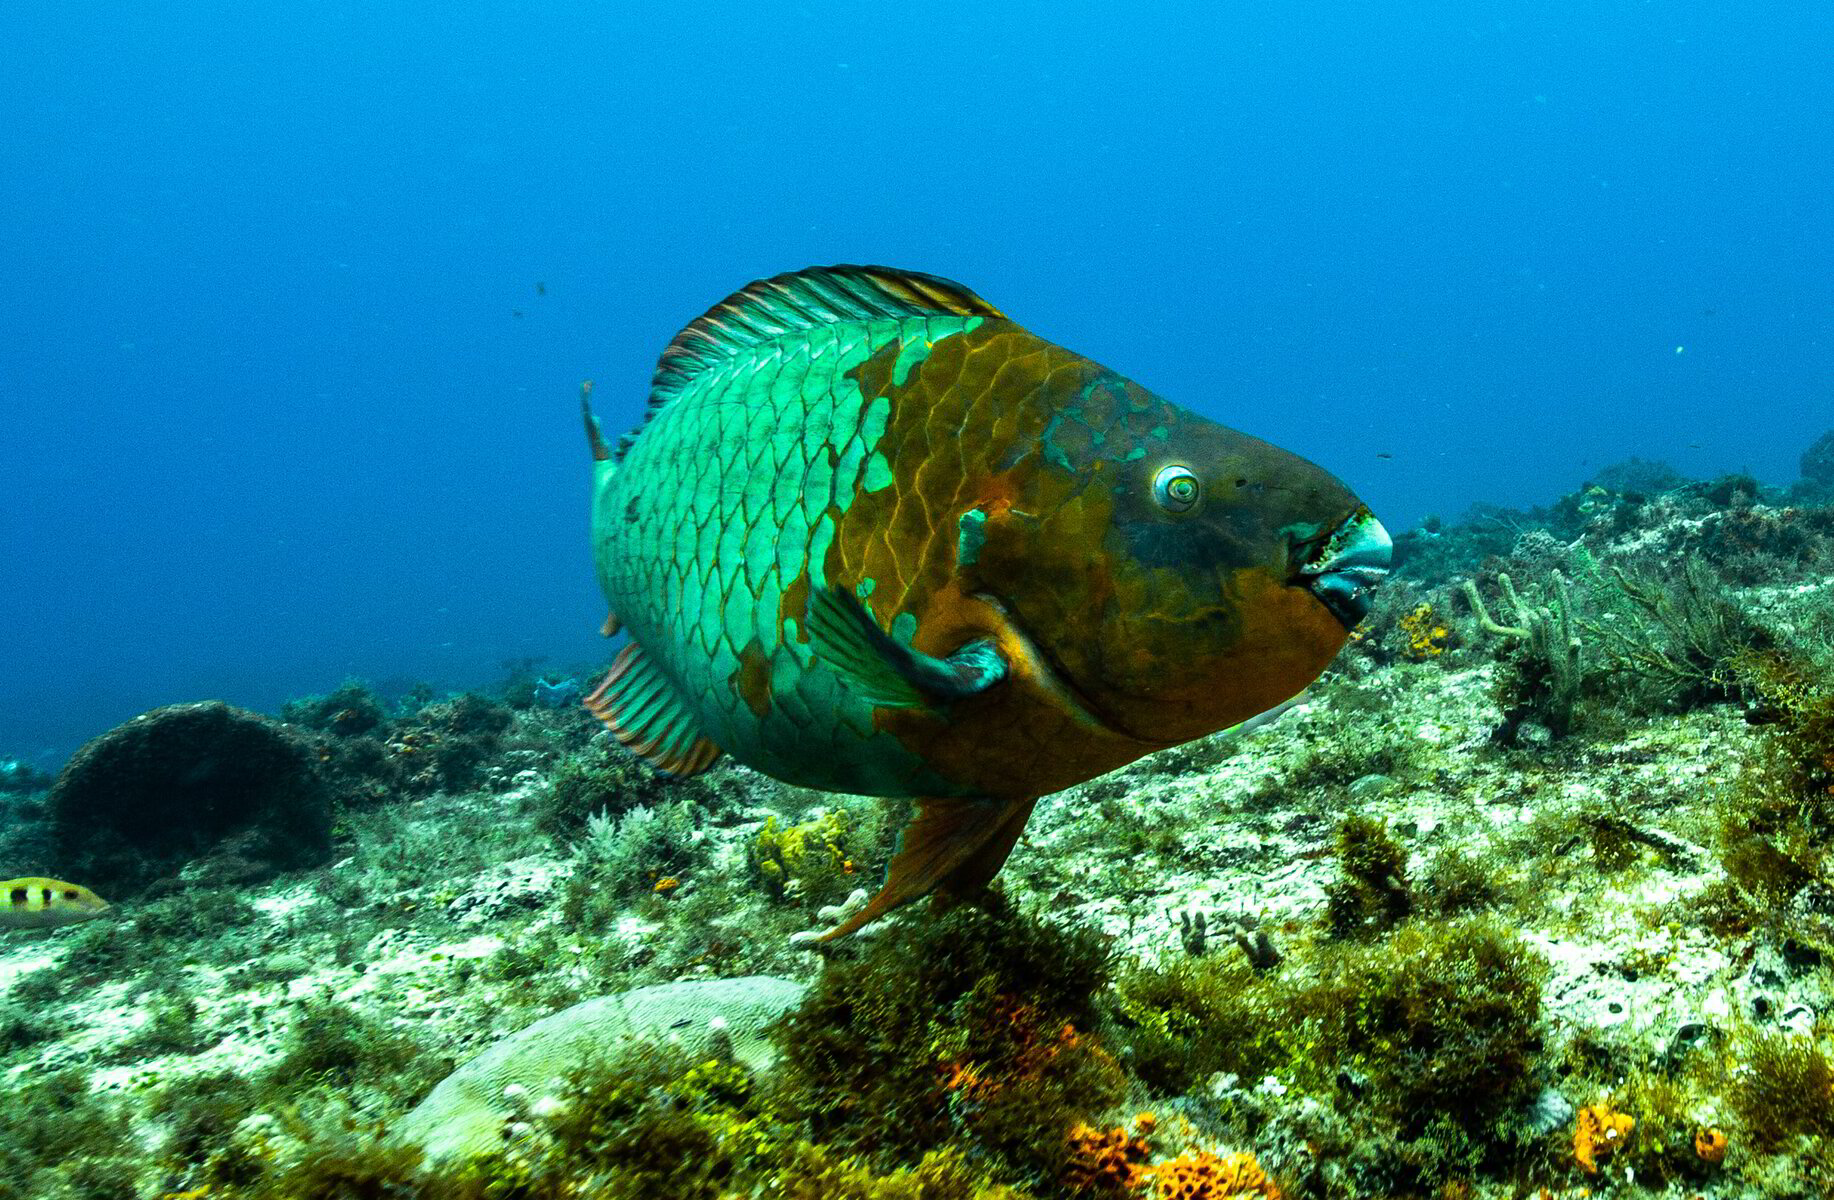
(600, 451)
(886, 672)
(640, 707)
(952, 848)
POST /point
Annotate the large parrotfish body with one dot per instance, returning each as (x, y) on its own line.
(875, 537)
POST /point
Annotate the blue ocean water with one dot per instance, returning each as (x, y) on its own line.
(296, 298)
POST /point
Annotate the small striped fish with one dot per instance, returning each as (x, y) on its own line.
(34, 902)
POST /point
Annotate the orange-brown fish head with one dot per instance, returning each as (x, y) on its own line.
(1177, 576)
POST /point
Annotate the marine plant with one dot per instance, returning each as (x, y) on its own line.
(1777, 839)
(200, 924)
(1371, 892)
(627, 855)
(1184, 1020)
(354, 1165)
(23, 1025)
(330, 1042)
(970, 1029)
(647, 1124)
(195, 915)
(1442, 1025)
(1795, 705)
(1429, 1038)
(196, 1118)
(1349, 733)
(1676, 634)
(1456, 883)
(170, 1026)
(596, 780)
(1665, 1140)
(1785, 1091)
(60, 1142)
(445, 746)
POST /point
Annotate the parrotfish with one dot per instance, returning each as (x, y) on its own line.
(35, 902)
(875, 537)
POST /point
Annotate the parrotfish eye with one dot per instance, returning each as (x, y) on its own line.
(1175, 488)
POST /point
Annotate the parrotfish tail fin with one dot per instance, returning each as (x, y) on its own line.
(644, 712)
(594, 438)
(951, 847)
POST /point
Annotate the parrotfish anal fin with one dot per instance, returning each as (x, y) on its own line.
(978, 869)
(951, 847)
(803, 300)
(641, 708)
(884, 671)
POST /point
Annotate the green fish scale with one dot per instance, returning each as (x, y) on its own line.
(724, 500)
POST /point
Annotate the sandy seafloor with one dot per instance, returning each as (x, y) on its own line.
(1618, 854)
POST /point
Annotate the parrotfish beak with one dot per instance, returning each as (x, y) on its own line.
(1343, 567)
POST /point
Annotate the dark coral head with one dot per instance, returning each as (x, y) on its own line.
(1178, 575)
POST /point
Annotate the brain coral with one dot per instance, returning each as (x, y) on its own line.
(465, 1115)
(185, 782)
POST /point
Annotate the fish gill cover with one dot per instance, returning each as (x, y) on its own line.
(1529, 892)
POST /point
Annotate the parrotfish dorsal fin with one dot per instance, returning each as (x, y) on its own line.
(806, 299)
(640, 706)
(594, 439)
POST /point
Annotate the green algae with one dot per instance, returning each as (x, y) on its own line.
(969, 1030)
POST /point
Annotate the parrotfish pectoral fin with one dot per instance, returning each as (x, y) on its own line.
(639, 704)
(886, 672)
(951, 847)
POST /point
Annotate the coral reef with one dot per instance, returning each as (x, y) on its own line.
(177, 784)
(1528, 896)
